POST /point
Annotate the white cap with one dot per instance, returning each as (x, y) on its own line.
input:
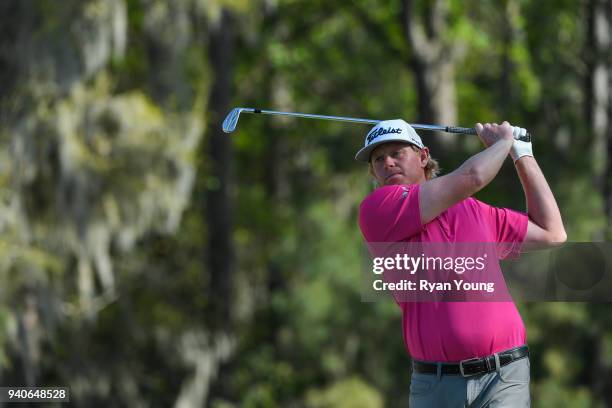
(395, 130)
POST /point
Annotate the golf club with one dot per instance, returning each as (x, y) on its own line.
(231, 121)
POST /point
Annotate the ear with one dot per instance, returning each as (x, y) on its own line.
(375, 181)
(424, 156)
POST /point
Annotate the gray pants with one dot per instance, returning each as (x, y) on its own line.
(508, 386)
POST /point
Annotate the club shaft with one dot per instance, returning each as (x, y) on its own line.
(358, 120)
(345, 119)
(313, 116)
(448, 129)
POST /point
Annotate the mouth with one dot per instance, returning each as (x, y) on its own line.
(391, 176)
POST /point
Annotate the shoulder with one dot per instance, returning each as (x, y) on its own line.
(390, 213)
(388, 195)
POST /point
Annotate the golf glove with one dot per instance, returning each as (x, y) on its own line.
(519, 147)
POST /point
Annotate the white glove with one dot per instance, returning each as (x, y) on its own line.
(519, 147)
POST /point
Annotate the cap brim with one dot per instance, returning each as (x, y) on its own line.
(364, 154)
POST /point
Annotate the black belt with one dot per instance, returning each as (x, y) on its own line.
(472, 366)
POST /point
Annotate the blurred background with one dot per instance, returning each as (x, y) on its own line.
(148, 259)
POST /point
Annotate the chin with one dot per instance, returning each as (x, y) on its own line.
(395, 181)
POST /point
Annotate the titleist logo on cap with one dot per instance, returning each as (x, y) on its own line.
(382, 131)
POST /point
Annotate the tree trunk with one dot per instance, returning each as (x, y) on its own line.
(433, 61)
(218, 210)
(598, 114)
(607, 56)
(599, 99)
(220, 258)
(510, 35)
(277, 190)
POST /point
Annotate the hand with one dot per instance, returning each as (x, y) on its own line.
(492, 133)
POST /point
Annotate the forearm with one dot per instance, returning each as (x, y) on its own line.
(440, 193)
(542, 207)
(484, 166)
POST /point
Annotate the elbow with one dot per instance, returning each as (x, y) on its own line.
(469, 179)
(561, 236)
(557, 238)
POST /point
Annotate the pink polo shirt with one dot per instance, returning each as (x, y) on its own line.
(449, 331)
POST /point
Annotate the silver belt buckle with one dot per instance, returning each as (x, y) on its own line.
(466, 361)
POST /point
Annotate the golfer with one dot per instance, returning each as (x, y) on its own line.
(464, 354)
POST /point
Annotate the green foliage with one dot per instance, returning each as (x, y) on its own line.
(555, 395)
(5, 322)
(350, 393)
(104, 176)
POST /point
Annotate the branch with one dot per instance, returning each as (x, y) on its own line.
(423, 48)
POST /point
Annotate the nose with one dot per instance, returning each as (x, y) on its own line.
(389, 161)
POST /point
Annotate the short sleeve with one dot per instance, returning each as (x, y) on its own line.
(509, 228)
(391, 214)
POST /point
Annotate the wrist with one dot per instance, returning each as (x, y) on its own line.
(522, 160)
(520, 148)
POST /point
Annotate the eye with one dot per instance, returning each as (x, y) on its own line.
(396, 154)
(378, 159)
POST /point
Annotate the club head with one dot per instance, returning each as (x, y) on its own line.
(231, 120)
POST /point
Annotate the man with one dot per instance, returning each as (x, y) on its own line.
(464, 353)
